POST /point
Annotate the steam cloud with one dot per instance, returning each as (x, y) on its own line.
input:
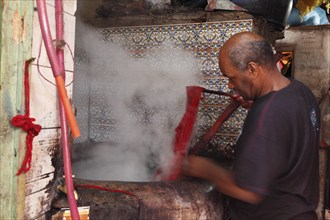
(146, 98)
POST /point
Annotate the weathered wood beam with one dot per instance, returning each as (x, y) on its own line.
(16, 19)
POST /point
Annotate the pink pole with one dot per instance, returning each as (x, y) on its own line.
(57, 63)
(64, 127)
(47, 37)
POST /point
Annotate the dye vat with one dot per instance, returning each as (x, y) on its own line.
(166, 200)
(167, 52)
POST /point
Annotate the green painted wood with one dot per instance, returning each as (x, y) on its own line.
(16, 20)
(1, 7)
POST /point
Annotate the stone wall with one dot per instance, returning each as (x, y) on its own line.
(311, 65)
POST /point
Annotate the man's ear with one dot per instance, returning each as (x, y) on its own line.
(253, 70)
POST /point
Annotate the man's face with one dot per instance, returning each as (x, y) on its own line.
(238, 80)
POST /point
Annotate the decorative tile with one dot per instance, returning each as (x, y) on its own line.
(203, 41)
(102, 133)
(84, 131)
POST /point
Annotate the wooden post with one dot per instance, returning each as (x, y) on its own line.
(16, 19)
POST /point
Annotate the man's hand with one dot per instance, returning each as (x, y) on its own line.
(199, 167)
(223, 180)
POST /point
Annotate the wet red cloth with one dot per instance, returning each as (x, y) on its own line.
(184, 130)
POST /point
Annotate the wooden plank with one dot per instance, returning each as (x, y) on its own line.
(38, 205)
(16, 38)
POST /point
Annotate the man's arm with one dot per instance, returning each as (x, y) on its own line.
(222, 178)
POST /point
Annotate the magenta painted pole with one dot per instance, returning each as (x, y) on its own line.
(64, 127)
(58, 74)
(47, 37)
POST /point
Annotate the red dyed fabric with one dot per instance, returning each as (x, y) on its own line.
(184, 130)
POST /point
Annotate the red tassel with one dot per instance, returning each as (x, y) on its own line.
(26, 123)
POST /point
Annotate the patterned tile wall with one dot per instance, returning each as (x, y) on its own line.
(81, 94)
(203, 40)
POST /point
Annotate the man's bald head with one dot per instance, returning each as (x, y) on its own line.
(246, 47)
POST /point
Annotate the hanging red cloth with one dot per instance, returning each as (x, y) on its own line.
(183, 132)
(26, 123)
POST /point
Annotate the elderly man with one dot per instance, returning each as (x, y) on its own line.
(275, 172)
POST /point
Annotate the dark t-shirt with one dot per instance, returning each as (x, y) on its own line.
(277, 155)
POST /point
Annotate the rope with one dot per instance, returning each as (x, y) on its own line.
(26, 123)
(90, 186)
